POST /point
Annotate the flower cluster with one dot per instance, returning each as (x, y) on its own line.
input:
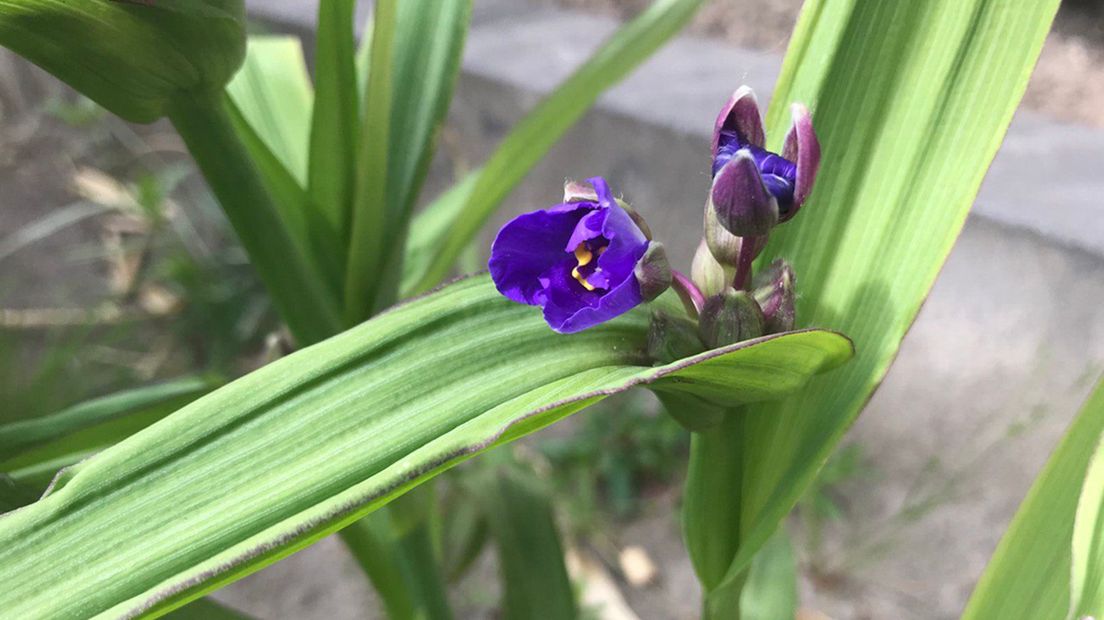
(591, 258)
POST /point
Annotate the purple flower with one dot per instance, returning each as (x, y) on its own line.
(582, 261)
(753, 188)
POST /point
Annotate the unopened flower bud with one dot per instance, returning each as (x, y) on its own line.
(672, 338)
(574, 191)
(710, 276)
(726, 246)
(740, 200)
(133, 58)
(653, 272)
(773, 289)
(730, 317)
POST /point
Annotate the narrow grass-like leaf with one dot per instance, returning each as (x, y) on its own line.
(270, 102)
(336, 118)
(536, 585)
(320, 438)
(294, 276)
(1087, 576)
(543, 127)
(1028, 577)
(428, 48)
(368, 243)
(903, 157)
(375, 548)
(274, 95)
(18, 437)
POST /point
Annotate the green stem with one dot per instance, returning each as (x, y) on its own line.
(711, 510)
(294, 281)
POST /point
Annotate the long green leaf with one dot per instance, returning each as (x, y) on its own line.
(1087, 576)
(270, 106)
(543, 127)
(428, 48)
(320, 438)
(911, 101)
(368, 242)
(17, 438)
(273, 93)
(536, 585)
(293, 275)
(336, 118)
(1028, 576)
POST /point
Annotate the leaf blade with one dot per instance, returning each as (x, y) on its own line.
(1029, 573)
(903, 159)
(326, 463)
(335, 117)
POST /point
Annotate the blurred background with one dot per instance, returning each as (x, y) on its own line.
(117, 270)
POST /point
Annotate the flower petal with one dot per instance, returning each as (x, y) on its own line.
(528, 245)
(741, 113)
(568, 319)
(802, 148)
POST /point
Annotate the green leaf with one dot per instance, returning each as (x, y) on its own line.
(428, 49)
(368, 243)
(336, 119)
(1087, 578)
(133, 58)
(318, 439)
(294, 276)
(376, 549)
(770, 592)
(530, 557)
(1028, 576)
(270, 109)
(903, 157)
(205, 609)
(464, 535)
(82, 426)
(273, 93)
(546, 124)
(429, 229)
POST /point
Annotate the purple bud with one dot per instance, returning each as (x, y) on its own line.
(802, 148)
(740, 200)
(740, 117)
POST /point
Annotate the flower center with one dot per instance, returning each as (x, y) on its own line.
(587, 265)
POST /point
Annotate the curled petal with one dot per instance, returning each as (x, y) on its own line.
(528, 244)
(741, 114)
(565, 314)
(741, 201)
(802, 148)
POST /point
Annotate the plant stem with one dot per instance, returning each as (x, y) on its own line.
(688, 292)
(287, 270)
(711, 510)
(749, 249)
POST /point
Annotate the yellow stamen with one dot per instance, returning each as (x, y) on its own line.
(583, 256)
